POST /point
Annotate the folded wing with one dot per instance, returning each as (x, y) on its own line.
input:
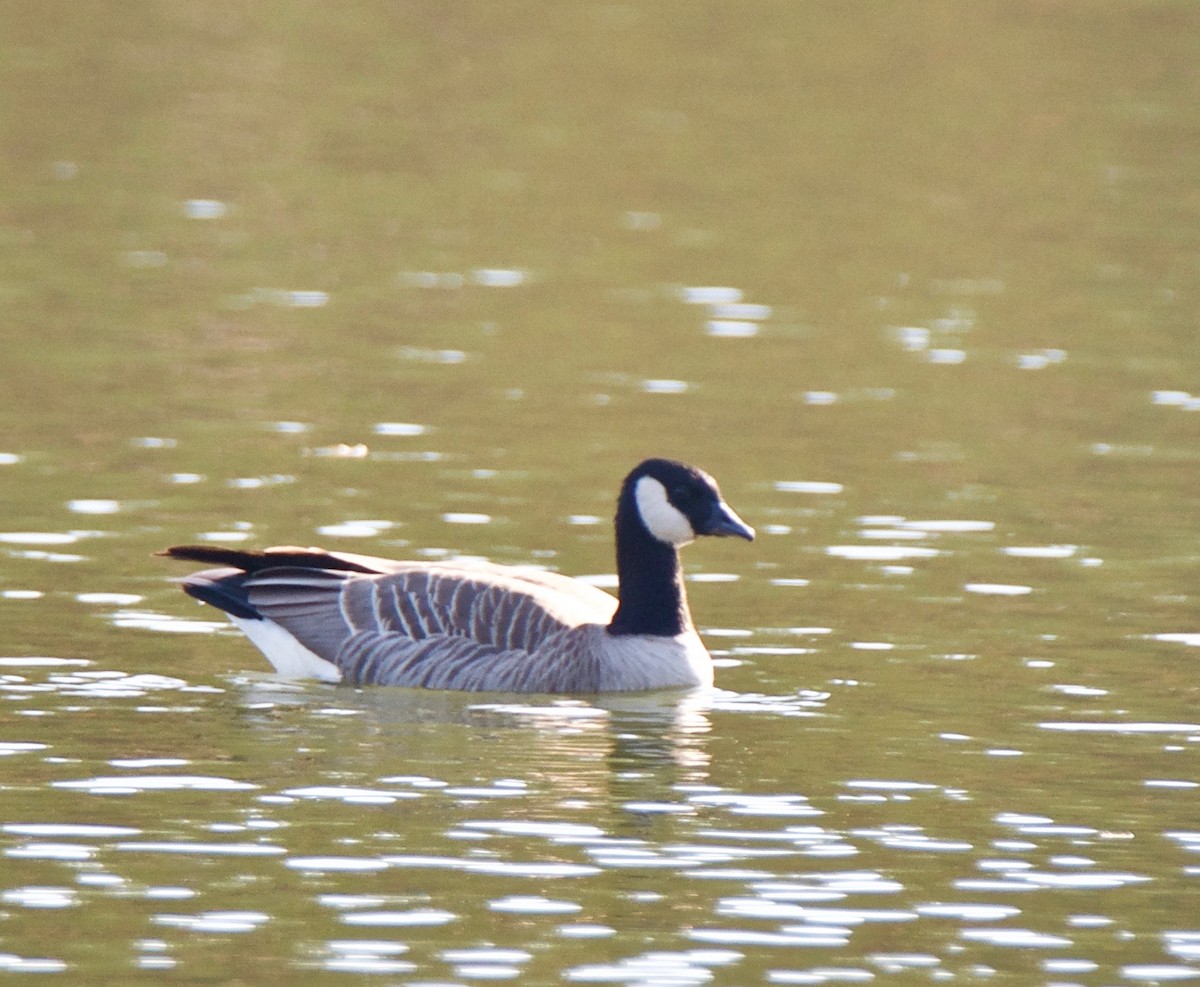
(437, 626)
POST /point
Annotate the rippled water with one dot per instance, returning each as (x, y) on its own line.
(647, 839)
(917, 284)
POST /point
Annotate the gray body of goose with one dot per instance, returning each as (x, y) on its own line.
(469, 625)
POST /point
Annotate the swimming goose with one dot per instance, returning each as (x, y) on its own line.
(477, 626)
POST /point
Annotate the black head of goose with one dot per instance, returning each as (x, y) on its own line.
(476, 626)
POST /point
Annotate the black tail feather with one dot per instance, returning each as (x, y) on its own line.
(272, 558)
(224, 589)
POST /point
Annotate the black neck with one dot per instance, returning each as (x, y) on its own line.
(653, 600)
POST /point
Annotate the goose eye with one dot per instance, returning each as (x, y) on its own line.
(681, 494)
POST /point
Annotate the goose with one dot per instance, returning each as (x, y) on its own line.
(477, 626)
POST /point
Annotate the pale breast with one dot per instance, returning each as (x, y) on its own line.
(646, 661)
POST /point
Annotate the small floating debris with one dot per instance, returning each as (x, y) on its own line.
(220, 923)
(303, 299)
(586, 930)
(880, 553)
(128, 784)
(1126, 449)
(808, 486)
(530, 904)
(968, 911)
(914, 339)
(1120, 728)
(8, 747)
(257, 482)
(109, 599)
(894, 534)
(948, 525)
(732, 328)
(1041, 359)
(957, 320)
(1019, 938)
(414, 917)
(1192, 640)
(1185, 945)
(79, 830)
(466, 517)
(499, 277)
(1079, 690)
(11, 963)
(665, 386)
(350, 795)
(37, 555)
(445, 280)
(1041, 551)
(343, 450)
(233, 536)
(1176, 399)
(97, 506)
(38, 537)
(204, 209)
(354, 529)
(754, 311)
(946, 356)
(998, 589)
(144, 259)
(710, 295)
(150, 621)
(1159, 973)
(400, 429)
(344, 865)
(283, 298)
(641, 222)
(967, 286)
(421, 355)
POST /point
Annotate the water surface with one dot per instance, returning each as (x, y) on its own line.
(918, 285)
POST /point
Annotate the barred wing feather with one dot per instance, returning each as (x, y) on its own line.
(439, 626)
(443, 662)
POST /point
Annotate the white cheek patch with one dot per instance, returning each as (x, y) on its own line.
(662, 518)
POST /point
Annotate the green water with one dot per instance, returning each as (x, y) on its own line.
(917, 282)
